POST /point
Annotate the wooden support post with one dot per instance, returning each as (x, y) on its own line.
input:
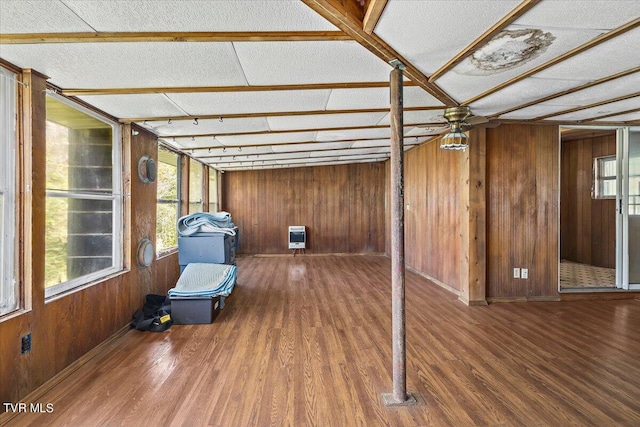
(399, 396)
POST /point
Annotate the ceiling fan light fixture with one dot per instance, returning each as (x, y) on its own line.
(456, 139)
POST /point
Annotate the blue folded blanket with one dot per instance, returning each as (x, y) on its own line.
(205, 280)
(206, 222)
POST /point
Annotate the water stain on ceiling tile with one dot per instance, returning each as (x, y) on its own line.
(508, 49)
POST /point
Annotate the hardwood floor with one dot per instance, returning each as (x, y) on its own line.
(306, 341)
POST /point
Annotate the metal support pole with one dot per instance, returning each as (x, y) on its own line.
(399, 395)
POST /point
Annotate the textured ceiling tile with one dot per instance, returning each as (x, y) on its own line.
(314, 146)
(428, 34)
(627, 104)
(353, 134)
(534, 111)
(247, 102)
(324, 121)
(413, 96)
(608, 58)
(594, 14)
(625, 117)
(267, 138)
(601, 92)
(413, 117)
(146, 105)
(275, 63)
(470, 78)
(529, 89)
(39, 16)
(214, 16)
(211, 126)
(104, 65)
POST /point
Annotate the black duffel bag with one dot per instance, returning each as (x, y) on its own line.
(155, 315)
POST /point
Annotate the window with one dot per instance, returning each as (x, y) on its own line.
(195, 186)
(213, 190)
(83, 231)
(9, 292)
(168, 200)
(604, 177)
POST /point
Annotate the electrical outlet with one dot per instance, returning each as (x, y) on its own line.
(25, 344)
(516, 273)
(525, 273)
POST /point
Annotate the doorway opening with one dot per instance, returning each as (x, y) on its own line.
(588, 201)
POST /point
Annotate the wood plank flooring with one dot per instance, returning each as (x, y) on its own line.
(305, 341)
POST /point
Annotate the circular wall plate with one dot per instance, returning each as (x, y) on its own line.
(146, 252)
(147, 169)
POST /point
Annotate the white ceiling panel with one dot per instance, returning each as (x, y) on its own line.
(217, 152)
(277, 63)
(324, 121)
(310, 147)
(467, 80)
(611, 57)
(353, 151)
(267, 138)
(428, 34)
(103, 65)
(412, 117)
(625, 117)
(331, 135)
(627, 104)
(373, 142)
(534, 111)
(609, 90)
(529, 89)
(144, 105)
(595, 14)
(247, 102)
(429, 130)
(211, 126)
(413, 96)
(37, 16)
(212, 16)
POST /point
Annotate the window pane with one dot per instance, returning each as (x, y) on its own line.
(195, 186)
(167, 208)
(82, 229)
(78, 238)
(9, 286)
(609, 188)
(608, 168)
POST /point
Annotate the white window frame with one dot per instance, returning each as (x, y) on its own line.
(599, 179)
(193, 162)
(9, 287)
(117, 198)
(164, 251)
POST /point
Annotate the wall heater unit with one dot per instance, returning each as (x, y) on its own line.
(297, 237)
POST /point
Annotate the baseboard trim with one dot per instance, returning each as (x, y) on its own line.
(434, 281)
(523, 299)
(36, 395)
(311, 254)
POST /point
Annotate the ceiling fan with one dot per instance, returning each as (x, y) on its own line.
(460, 120)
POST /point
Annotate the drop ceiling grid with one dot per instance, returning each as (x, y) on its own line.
(625, 117)
(428, 34)
(250, 102)
(413, 96)
(141, 105)
(422, 116)
(280, 63)
(608, 58)
(208, 126)
(221, 151)
(324, 121)
(311, 147)
(624, 105)
(217, 16)
(37, 16)
(466, 81)
(594, 14)
(267, 138)
(109, 65)
(609, 90)
(527, 90)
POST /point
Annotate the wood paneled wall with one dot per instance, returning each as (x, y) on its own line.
(67, 327)
(342, 207)
(433, 224)
(587, 225)
(522, 210)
